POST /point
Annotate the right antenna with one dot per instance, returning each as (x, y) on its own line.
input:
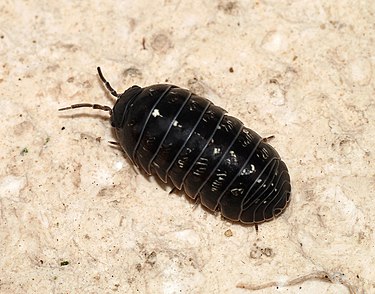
(107, 84)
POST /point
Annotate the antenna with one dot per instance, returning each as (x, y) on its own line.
(107, 84)
(94, 106)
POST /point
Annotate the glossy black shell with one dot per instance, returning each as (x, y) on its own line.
(175, 134)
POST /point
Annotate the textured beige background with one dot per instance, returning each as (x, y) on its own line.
(302, 71)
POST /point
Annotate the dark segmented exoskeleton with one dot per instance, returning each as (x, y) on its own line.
(175, 134)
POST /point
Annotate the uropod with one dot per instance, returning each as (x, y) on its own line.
(179, 136)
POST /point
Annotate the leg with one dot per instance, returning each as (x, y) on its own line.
(267, 139)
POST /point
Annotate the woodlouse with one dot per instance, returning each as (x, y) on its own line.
(174, 134)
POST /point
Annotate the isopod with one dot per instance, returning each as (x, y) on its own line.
(179, 136)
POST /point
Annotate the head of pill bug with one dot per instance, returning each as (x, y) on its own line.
(119, 110)
(121, 105)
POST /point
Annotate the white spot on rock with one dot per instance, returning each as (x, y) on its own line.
(118, 165)
(360, 71)
(10, 186)
(274, 41)
(183, 239)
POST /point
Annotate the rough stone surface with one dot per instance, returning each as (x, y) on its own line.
(76, 217)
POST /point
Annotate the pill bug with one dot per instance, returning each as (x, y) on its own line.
(177, 135)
